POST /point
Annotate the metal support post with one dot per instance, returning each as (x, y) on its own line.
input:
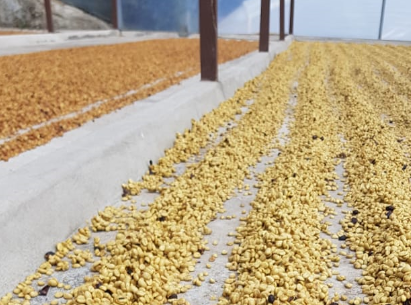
(208, 40)
(264, 25)
(291, 29)
(114, 15)
(382, 19)
(282, 30)
(49, 17)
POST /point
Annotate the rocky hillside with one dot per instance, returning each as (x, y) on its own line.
(30, 14)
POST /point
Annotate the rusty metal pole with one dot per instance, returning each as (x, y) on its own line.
(282, 34)
(208, 39)
(264, 25)
(114, 15)
(291, 29)
(49, 17)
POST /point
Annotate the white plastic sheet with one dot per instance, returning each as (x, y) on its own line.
(397, 23)
(337, 18)
(246, 18)
(327, 18)
(316, 18)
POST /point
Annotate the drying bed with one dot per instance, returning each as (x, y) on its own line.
(311, 158)
(6, 33)
(45, 94)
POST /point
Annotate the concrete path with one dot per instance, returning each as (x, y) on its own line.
(22, 44)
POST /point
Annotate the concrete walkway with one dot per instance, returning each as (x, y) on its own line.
(22, 44)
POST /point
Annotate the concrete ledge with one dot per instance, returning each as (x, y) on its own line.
(49, 192)
(13, 41)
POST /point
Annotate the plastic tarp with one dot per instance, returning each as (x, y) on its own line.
(155, 15)
(327, 18)
(397, 21)
(315, 18)
(99, 8)
(246, 18)
(336, 18)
